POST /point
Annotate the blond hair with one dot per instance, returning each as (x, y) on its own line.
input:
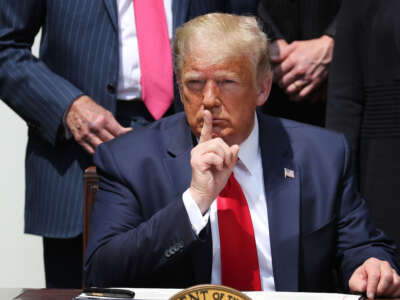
(224, 36)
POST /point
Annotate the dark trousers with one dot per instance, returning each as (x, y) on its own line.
(63, 262)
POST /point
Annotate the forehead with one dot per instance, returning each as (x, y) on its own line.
(205, 64)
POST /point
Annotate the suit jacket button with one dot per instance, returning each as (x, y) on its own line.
(167, 253)
(111, 88)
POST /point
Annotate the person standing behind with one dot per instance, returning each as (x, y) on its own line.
(89, 57)
(302, 33)
(364, 102)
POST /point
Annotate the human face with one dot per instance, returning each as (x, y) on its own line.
(227, 89)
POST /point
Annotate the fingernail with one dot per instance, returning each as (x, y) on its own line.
(370, 295)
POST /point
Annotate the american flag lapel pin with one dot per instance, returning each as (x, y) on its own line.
(288, 173)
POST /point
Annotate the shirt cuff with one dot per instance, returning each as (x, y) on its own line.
(197, 220)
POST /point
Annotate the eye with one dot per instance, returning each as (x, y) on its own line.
(226, 84)
(195, 85)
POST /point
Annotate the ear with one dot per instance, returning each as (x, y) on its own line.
(264, 88)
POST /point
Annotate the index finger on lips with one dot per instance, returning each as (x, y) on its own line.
(206, 131)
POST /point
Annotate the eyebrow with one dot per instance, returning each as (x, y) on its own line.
(199, 75)
(192, 75)
(225, 73)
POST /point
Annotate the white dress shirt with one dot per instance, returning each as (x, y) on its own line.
(129, 68)
(249, 173)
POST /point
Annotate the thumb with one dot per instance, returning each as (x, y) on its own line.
(118, 130)
(206, 131)
(126, 129)
(235, 155)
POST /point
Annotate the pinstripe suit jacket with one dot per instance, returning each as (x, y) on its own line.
(78, 55)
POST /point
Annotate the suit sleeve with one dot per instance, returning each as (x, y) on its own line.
(27, 85)
(358, 239)
(345, 90)
(331, 29)
(125, 248)
(269, 25)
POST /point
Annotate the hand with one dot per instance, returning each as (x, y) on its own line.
(91, 124)
(304, 66)
(376, 278)
(212, 162)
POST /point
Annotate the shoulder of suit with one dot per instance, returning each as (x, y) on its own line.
(301, 132)
(149, 136)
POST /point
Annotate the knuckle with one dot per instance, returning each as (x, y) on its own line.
(218, 140)
(372, 260)
(386, 264)
(387, 277)
(96, 124)
(302, 70)
(291, 60)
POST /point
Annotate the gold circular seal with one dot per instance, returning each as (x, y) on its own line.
(210, 292)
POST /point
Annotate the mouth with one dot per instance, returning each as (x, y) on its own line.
(218, 121)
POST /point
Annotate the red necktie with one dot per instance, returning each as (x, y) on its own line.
(154, 55)
(239, 260)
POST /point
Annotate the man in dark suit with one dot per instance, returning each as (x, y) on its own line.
(160, 213)
(302, 34)
(72, 89)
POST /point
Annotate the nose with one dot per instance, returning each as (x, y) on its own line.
(211, 95)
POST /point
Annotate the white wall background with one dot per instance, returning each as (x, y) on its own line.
(21, 258)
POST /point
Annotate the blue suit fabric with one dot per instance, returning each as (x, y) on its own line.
(78, 55)
(141, 234)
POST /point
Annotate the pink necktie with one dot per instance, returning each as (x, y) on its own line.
(155, 56)
(239, 260)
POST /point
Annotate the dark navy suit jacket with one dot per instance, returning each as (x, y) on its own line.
(78, 55)
(141, 234)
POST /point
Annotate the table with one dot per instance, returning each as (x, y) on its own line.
(37, 294)
(52, 294)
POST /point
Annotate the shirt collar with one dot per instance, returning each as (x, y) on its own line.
(249, 149)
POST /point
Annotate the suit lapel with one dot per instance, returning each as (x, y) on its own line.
(283, 202)
(177, 162)
(111, 6)
(178, 168)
